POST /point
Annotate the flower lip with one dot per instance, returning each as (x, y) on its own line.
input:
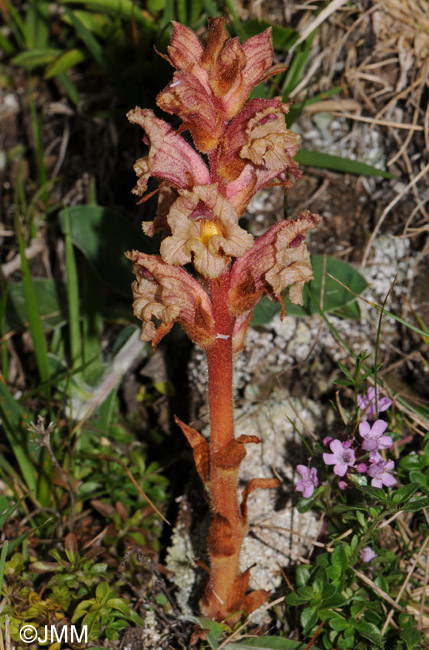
(202, 211)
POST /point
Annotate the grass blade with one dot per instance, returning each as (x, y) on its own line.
(64, 62)
(37, 20)
(125, 9)
(85, 35)
(339, 164)
(72, 294)
(33, 312)
(297, 67)
(13, 419)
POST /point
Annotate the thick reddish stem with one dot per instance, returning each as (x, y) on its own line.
(220, 367)
(228, 524)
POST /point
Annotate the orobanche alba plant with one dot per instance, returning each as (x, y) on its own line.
(246, 147)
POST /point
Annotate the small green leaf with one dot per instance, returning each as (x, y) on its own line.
(295, 600)
(34, 58)
(404, 493)
(303, 575)
(336, 163)
(119, 604)
(309, 618)
(412, 637)
(416, 503)
(370, 632)
(375, 493)
(338, 623)
(339, 557)
(64, 62)
(103, 591)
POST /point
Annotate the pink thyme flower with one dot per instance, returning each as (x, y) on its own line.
(375, 457)
(373, 436)
(372, 405)
(380, 474)
(342, 457)
(308, 482)
(367, 554)
(361, 468)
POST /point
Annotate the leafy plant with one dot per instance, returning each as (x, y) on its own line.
(105, 612)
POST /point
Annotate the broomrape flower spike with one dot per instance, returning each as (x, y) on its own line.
(200, 202)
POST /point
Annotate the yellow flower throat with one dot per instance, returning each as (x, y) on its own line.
(207, 230)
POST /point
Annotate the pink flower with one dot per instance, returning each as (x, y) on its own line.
(342, 457)
(371, 405)
(375, 457)
(380, 474)
(367, 554)
(373, 436)
(170, 294)
(170, 157)
(308, 482)
(256, 151)
(205, 231)
(279, 259)
(361, 468)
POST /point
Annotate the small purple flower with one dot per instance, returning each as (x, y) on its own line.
(342, 485)
(327, 440)
(370, 405)
(342, 457)
(308, 482)
(380, 474)
(367, 554)
(361, 468)
(375, 457)
(373, 436)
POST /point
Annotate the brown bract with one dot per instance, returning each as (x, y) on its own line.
(169, 294)
(279, 259)
(204, 230)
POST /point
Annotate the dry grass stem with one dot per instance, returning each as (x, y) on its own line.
(386, 211)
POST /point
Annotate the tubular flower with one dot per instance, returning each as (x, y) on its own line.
(212, 84)
(205, 231)
(279, 259)
(169, 294)
(170, 157)
(256, 150)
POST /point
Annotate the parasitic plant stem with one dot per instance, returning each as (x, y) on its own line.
(228, 524)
